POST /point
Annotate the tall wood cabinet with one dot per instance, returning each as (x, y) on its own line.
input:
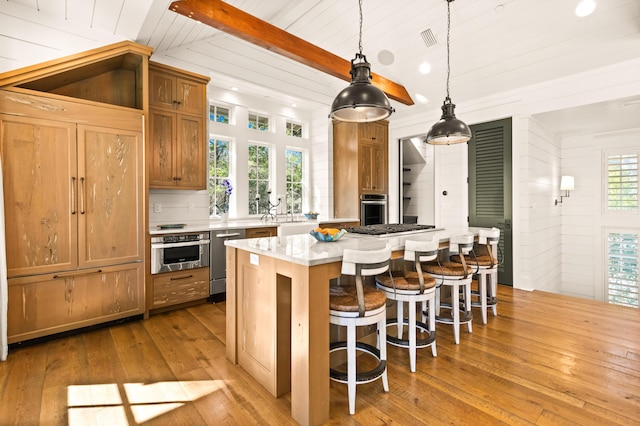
(74, 180)
(178, 139)
(360, 164)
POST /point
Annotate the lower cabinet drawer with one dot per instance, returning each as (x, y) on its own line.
(171, 288)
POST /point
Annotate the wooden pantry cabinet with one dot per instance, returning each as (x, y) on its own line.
(360, 164)
(178, 142)
(74, 182)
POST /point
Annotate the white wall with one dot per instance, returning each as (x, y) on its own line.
(583, 217)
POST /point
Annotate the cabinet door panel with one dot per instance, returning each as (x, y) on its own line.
(191, 159)
(110, 173)
(39, 171)
(366, 174)
(162, 89)
(190, 96)
(48, 304)
(161, 145)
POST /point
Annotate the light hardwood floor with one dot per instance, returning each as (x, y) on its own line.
(546, 359)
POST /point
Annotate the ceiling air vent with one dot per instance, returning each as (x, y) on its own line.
(429, 38)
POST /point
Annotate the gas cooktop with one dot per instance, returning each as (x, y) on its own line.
(389, 228)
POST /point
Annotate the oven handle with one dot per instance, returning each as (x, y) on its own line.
(381, 203)
(189, 243)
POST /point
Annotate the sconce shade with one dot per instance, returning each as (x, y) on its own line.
(567, 183)
(361, 101)
(448, 130)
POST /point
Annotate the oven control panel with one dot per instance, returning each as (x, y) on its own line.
(180, 238)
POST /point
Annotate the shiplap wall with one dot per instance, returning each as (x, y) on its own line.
(583, 217)
(540, 219)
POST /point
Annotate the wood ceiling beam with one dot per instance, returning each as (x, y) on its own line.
(234, 21)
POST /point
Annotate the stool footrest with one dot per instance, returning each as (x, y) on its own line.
(465, 317)
(491, 301)
(364, 376)
(404, 343)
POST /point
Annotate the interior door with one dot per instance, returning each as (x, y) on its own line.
(490, 196)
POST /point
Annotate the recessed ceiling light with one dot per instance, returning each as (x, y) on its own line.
(424, 68)
(420, 98)
(234, 88)
(499, 8)
(385, 57)
(294, 105)
(585, 8)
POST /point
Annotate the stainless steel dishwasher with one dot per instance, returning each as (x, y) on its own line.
(218, 264)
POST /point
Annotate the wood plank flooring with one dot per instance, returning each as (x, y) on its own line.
(546, 359)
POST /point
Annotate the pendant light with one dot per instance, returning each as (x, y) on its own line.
(361, 101)
(448, 130)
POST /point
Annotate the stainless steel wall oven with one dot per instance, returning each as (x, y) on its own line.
(179, 252)
(373, 209)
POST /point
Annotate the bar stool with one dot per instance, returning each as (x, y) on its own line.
(355, 306)
(456, 276)
(486, 266)
(413, 286)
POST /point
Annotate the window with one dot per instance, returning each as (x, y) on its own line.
(258, 122)
(622, 270)
(622, 182)
(219, 114)
(258, 178)
(294, 181)
(219, 171)
(294, 129)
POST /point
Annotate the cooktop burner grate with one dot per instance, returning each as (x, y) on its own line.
(388, 228)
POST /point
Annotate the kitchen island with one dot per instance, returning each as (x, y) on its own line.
(278, 311)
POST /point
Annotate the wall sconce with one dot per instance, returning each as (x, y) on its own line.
(566, 185)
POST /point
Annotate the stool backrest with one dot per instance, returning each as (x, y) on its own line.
(489, 236)
(461, 244)
(427, 250)
(372, 262)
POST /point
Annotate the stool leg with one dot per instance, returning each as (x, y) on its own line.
(412, 335)
(467, 304)
(351, 367)
(400, 308)
(382, 346)
(482, 286)
(494, 290)
(455, 309)
(432, 322)
(437, 300)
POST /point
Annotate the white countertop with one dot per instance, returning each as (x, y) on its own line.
(240, 224)
(304, 249)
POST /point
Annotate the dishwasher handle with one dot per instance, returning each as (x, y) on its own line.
(228, 235)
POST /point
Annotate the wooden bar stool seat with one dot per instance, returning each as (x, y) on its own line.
(485, 266)
(412, 287)
(354, 306)
(457, 277)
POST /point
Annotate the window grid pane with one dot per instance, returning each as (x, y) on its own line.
(219, 114)
(258, 173)
(622, 276)
(258, 122)
(294, 181)
(218, 173)
(622, 182)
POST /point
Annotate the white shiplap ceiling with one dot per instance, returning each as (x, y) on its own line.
(496, 45)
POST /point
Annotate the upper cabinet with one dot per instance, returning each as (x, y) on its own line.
(360, 164)
(178, 140)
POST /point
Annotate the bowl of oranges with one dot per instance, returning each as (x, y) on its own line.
(327, 234)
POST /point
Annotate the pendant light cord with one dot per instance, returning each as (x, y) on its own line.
(360, 37)
(448, 36)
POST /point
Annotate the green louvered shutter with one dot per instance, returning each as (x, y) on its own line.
(490, 186)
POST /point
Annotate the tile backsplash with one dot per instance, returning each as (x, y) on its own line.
(179, 206)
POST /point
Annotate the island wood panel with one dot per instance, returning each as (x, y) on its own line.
(51, 303)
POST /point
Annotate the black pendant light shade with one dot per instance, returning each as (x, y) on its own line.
(361, 101)
(448, 130)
